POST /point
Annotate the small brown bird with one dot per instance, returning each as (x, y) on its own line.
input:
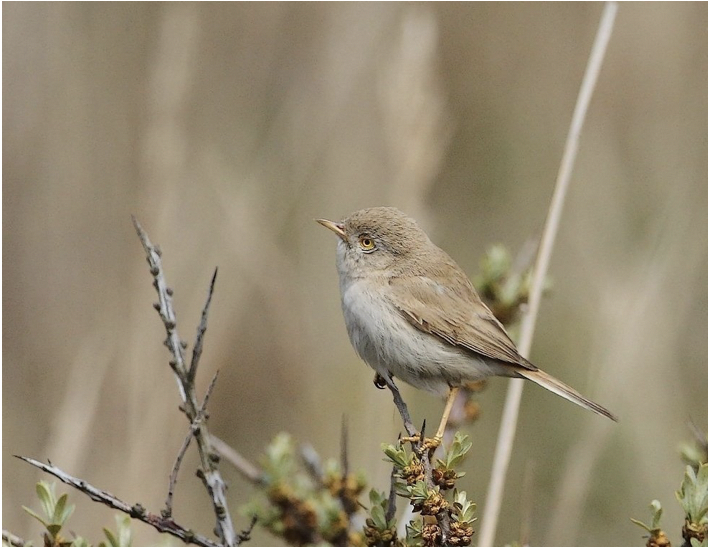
(412, 313)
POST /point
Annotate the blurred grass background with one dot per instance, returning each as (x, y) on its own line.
(227, 128)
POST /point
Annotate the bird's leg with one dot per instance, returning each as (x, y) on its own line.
(399, 402)
(445, 418)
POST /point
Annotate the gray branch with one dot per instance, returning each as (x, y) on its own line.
(164, 525)
(242, 465)
(420, 450)
(209, 473)
(12, 539)
(201, 329)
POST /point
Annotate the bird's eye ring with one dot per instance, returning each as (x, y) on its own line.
(367, 244)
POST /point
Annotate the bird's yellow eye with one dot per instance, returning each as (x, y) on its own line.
(367, 244)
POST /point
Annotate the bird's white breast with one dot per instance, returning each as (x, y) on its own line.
(386, 341)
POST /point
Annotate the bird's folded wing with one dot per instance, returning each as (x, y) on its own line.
(460, 318)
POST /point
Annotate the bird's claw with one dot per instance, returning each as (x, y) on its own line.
(431, 443)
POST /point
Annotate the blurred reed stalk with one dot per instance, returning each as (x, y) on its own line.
(506, 435)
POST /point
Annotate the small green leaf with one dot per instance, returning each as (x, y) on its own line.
(377, 509)
(377, 498)
(59, 509)
(456, 452)
(419, 492)
(45, 493)
(693, 494)
(378, 516)
(414, 532)
(125, 534)
(397, 455)
(68, 511)
(35, 515)
(657, 511)
(641, 524)
(110, 537)
(464, 509)
(401, 488)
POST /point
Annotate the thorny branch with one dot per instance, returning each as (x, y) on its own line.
(346, 498)
(201, 329)
(243, 466)
(12, 539)
(162, 524)
(195, 413)
(344, 446)
(422, 452)
(168, 510)
(209, 473)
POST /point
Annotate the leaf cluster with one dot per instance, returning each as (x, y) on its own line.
(379, 529)
(503, 286)
(303, 505)
(437, 514)
(693, 498)
(56, 513)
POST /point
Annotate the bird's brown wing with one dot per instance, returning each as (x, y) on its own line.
(456, 314)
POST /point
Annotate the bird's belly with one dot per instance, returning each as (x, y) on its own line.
(386, 341)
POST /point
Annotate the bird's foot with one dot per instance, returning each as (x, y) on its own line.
(428, 443)
(380, 382)
(416, 438)
(432, 443)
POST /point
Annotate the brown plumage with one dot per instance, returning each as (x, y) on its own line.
(411, 311)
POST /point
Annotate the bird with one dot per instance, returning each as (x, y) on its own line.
(413, 314)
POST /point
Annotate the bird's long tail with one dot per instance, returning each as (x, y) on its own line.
(563, 390)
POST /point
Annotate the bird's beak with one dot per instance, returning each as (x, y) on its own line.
(336, 228)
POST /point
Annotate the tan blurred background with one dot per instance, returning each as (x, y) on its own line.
(227, 128)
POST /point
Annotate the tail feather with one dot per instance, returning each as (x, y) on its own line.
(563, 390)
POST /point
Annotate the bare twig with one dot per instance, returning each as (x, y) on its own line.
(348, 502)
(167, 512)
(203, 408)
(164, 307)
(344, 446)
(209, 473)
(197, 349)
(346, 494)
(11, 539)
(242, 465)
(445, 524)
(506, 434)
(392, 499)
(164, 525)
(245, 534)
